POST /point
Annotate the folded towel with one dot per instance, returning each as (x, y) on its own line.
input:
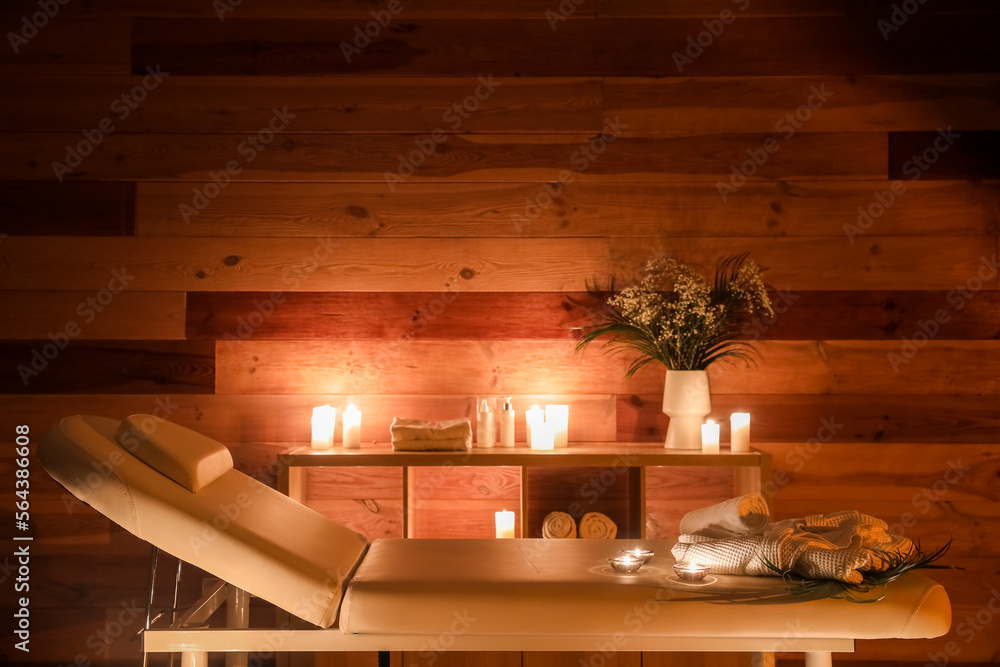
(417, 429)
(743, 515)
(558, 525)
(594, 525)
(452, 444)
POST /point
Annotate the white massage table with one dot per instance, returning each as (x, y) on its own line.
(178, 490)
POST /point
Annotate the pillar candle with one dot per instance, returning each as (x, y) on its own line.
(541, 436)
(352, 427)
(739, 437)
(531, 417)
(710, 437)
(505, 524)
(558, 416)
(324, 420)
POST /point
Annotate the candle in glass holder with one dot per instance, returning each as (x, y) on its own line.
(505, 524)
(324, 420)
(558, 416)
(352, 427)
(710, 437)
(541, 436)
(739, 438)
(531, 417)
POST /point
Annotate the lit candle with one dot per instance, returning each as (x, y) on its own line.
(531, 417)
(541, 436)
(324, 420)
(352, 427)
(558, 416)
(739, 437)
(710, 437)
(505, 524)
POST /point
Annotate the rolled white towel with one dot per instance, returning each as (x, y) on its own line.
(452, 444)
(594, 525)
(743, 515)
(558, 525)
(417, 429)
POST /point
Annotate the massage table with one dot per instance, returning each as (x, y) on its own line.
(178, 490)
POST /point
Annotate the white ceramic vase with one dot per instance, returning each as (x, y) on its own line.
(686, 400)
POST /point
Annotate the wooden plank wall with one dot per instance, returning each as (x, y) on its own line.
(227, 213)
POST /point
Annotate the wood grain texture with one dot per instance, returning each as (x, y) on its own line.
(822, 45)
(787, 105)
(315, 104)
(42, 208)
(515, 367)
(576, 209)
(66, 45)
(87, 367)
(93, 315)
(393, 158)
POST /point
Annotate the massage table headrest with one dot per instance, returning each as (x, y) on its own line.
(177, 490)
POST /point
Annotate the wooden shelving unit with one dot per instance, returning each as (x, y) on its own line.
(752, 468)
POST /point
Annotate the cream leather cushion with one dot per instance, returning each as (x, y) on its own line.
(565, 587)
(235, 527)
(185, 456)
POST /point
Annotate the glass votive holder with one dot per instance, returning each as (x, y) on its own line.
(690, 571)
(625, 564)
(644, 554)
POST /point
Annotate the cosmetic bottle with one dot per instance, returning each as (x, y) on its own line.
(486, 435)
(507, 424)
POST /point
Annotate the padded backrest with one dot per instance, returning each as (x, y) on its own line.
(233, 527)
(185, 456)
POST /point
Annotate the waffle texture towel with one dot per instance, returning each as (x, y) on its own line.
(558, 525)
(416, 434)
(594, 525)
(744, 515)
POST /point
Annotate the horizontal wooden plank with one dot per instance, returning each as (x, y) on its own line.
(515, 367)
(925, 208)
(860, 418)
(102, 315)
(50, 208)
(878, 315)
(945, 154)
(655, 8)
(479, 265)
(786, 105)
(260, 427)
(389, 159)
(337, 105)
(87, 367)
(67, 45)
(373, 518)
(530, 47)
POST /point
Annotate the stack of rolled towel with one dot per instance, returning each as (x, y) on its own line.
(593, 525)
(419, 435)
(735, 537)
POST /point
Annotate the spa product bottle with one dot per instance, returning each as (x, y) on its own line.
(507, 424)
(486, 435)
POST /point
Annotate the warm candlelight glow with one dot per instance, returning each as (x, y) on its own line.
(644, 554)
(352, 427)
(531, 417)
(324, 420)
(505, 524)
(542, 436)
(690, 571)
(558, 416)
(740, 431)
(710, 437)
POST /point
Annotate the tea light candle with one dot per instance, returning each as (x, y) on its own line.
(505, 524)
(645, 554)
(558, 416)
(690, 571)
(625, 564)
(352, 427)
(531, 417)
(324, 420)
(739, 438)
(710, 437)
(541, 436)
